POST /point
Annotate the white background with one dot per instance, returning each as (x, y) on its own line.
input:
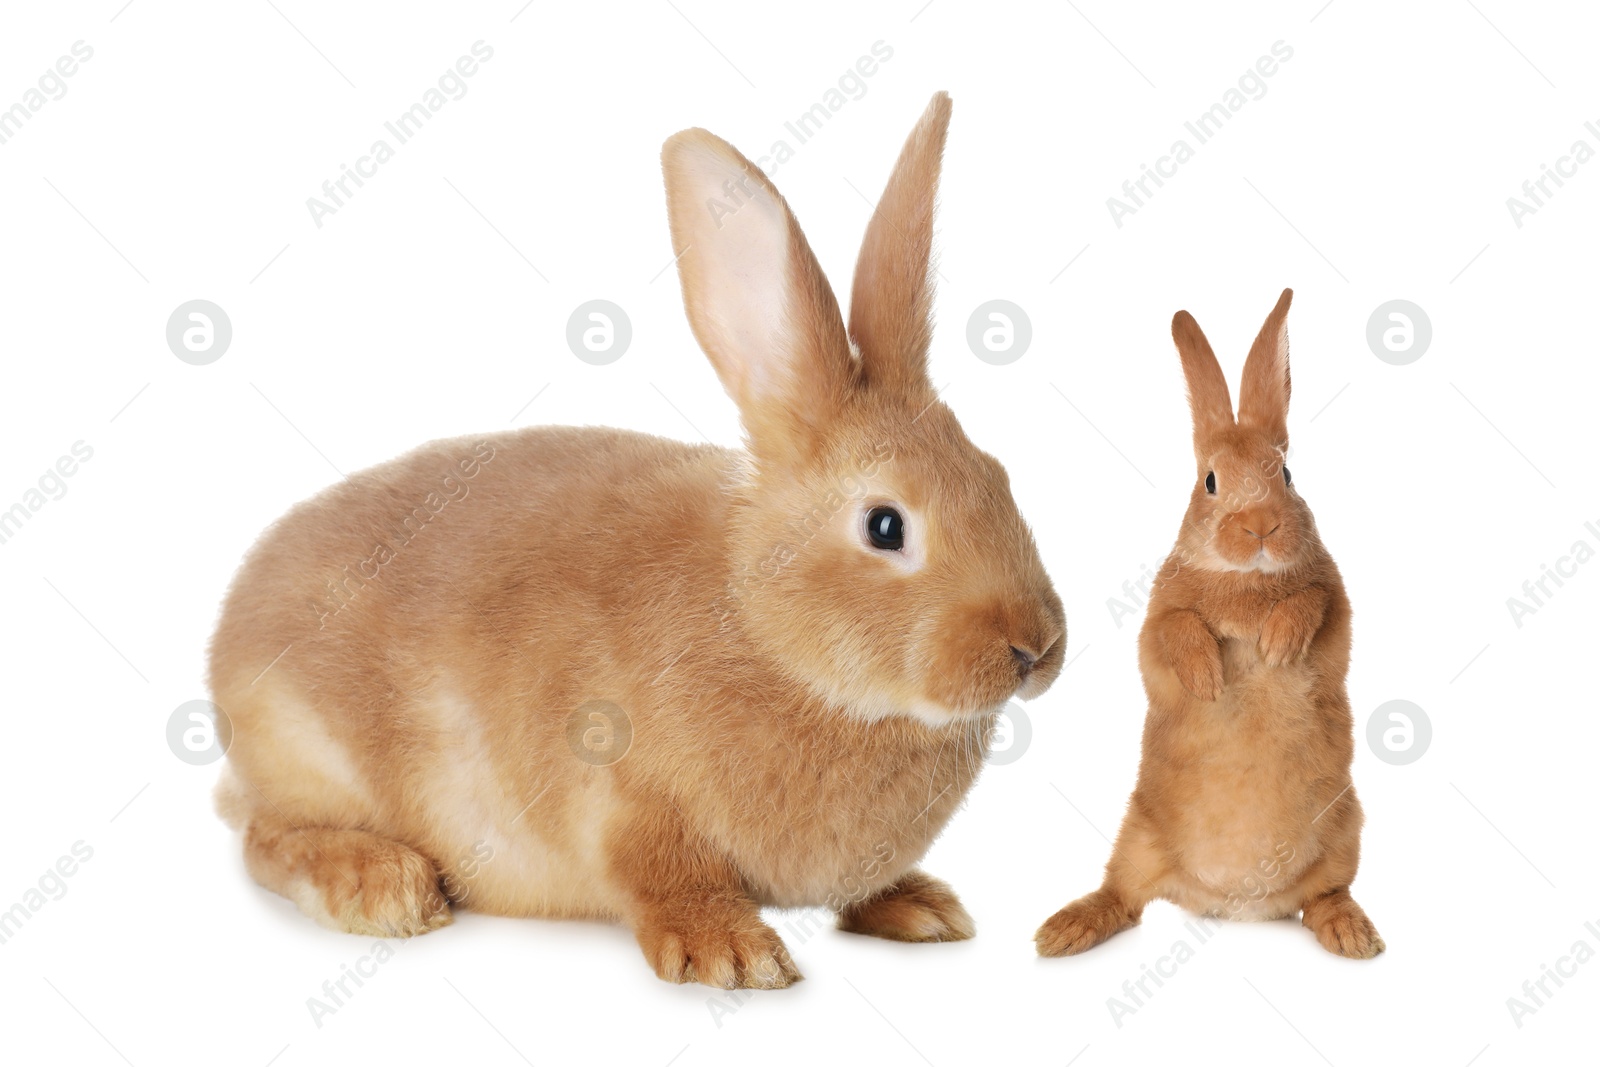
(1376, 166)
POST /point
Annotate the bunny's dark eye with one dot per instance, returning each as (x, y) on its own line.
(1211, 482)
(1287, 480)
(886, 529)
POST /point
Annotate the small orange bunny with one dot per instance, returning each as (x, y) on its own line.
(1244, 807)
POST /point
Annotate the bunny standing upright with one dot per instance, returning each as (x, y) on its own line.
(1244, 807)
(601, 674)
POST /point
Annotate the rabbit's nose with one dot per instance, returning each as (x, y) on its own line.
(1025, 659)
(1263, 537)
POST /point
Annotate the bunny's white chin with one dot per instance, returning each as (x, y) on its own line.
(925, 712)
(938, 715)
(1260, 563)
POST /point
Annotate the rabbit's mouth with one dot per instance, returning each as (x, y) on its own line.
(995, 672)
(1270, 557)
(1249, 546)
(1263, 561)
(1041, 674)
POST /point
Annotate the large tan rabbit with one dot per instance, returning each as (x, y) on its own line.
(1244, 807)
(591, 673)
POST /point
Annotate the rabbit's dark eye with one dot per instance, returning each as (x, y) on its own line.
(886, 529)
(1211, 482)
(1287, 480)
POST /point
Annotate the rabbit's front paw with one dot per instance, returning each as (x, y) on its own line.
(1199, 670)
(743, 954)
(918, 907)
(1286, 635)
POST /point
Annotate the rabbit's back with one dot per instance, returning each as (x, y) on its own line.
(396, 650)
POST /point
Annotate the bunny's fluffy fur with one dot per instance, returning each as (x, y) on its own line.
(806, 711)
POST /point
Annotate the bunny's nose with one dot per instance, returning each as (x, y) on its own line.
(1025, 659)
(1257, 536)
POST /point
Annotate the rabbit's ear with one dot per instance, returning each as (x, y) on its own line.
(759, 305)
(1209, 401)
(892, 298)
(1264, 389)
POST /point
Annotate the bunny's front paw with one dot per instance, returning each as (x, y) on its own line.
(1199, 670)
(918, 907)
(1286, 635)
(1192, 651)
(722, 951)
(1292, 624)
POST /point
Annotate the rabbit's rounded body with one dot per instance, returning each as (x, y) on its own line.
(588, 672)
(433, 703)
(1250, 791)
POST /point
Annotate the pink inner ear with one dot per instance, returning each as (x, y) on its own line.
(738, 233)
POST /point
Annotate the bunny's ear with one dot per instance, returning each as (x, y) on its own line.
(1209, 401)
(758, 303)
(892, 298)
(1264, 389)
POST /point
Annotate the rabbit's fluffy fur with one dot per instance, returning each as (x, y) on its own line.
(410, 661)
(1244, 807)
